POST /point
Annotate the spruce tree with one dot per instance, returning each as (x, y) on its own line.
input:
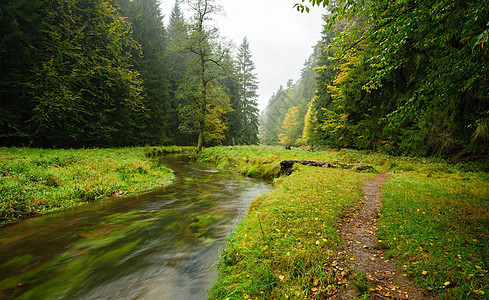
(151, 62)
(245, 119)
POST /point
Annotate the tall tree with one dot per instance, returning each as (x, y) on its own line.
(179, 60)
(152, 63)
(244, 118)
(272, 118)
(83, 89)
(20, 38)
(208, 55)
(290, 132)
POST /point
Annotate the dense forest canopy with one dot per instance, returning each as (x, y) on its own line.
(403, 77)
(110, 73)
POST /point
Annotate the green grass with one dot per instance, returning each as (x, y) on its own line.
(286, 245)
(437, 225)
(434, 225)
(264, 161)
(259, 161)
(36, 181)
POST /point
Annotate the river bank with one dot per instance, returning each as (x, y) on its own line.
(433, 226)
(158, 244)
(37, 181)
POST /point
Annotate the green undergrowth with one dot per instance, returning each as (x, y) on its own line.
(156, 152)
(36, 181)
(286, 245)
(437, 226)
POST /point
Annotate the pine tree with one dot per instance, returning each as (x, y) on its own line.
(148, 30)
(84, 89)
(180, 60)
(20, 35)
(273, 118)
(245, 119)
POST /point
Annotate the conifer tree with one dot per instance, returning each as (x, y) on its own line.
(244, 118)
(148, 30)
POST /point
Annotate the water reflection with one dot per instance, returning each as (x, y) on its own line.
(158, 245)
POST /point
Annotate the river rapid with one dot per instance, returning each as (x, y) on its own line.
(158, 245)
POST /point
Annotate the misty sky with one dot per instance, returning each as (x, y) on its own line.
(280, 37)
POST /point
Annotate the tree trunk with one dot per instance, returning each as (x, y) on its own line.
(200, 141)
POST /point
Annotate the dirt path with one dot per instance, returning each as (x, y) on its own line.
(358, 232)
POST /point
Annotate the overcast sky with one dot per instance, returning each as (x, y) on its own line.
(280, 37)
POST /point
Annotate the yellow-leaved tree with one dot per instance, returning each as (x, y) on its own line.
(290, 132)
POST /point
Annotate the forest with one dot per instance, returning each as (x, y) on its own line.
(109, 73)
(401, 77)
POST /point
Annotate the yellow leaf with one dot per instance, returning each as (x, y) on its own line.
(424, 272)
(479, 292)
(447, 283)
(316, 282)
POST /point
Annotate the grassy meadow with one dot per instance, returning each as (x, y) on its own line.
(434, 223)
(36, 181)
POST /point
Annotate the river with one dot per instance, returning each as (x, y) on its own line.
(158, 245)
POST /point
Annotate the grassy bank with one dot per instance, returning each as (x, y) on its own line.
(434, 221)
(36, 181)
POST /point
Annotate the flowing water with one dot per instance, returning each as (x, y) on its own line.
(158, 245)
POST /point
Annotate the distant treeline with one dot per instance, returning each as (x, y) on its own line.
(404, 77)
(76, 73)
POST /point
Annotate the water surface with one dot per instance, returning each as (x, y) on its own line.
(158, 245)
